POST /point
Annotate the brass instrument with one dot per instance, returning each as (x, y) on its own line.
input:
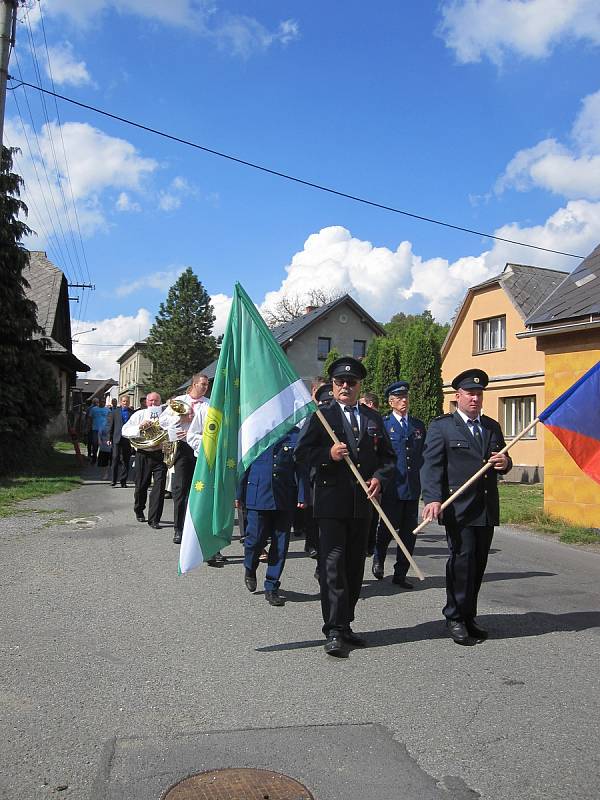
(153, 437)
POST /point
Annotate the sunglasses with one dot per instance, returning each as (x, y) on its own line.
(347, 381)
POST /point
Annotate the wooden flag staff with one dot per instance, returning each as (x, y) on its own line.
(378, 508)
(478, 474)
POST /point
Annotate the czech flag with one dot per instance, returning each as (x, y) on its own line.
(574, 418)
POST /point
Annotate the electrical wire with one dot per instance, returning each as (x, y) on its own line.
(293, 178)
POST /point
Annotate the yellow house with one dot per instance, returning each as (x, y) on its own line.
(566, 330)
(483, 334)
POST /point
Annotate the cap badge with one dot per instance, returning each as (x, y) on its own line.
(476, 379)
(347, 367)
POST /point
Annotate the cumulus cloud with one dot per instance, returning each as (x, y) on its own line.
(572, 171)
(171, 198)
(221, 304)
(154, 280)
(64, 68)
(238, 34)
(125, 203)
(101, 348)
(97, 163)
(493, 29)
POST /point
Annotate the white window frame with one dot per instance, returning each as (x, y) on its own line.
(517, 413)
(490, 334)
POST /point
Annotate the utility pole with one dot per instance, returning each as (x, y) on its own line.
(8, 23)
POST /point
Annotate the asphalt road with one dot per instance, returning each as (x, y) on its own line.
(118, 678)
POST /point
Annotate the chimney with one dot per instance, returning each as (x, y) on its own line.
(308, 309)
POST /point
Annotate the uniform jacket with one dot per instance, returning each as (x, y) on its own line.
(451, 456)
(405, 483)
(336, 492)
(274, 481)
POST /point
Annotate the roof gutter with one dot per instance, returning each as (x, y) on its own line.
(565, 327)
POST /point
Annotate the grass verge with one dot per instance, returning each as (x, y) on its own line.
(55, 471)
(523, 504)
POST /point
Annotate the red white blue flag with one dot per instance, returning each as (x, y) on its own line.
(574, 418)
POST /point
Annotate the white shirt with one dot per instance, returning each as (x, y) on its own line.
(194, 431)
(132, 426)
(348, 415)
(172, 422)
(466, 420)
(399, 417)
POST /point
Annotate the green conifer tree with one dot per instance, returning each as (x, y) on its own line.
(388, 367)
(333, 354)
(422, 368)
(180, 341)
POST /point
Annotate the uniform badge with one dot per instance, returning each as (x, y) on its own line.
(475, 379)
(347, 367)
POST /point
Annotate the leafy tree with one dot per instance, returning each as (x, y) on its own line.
(370, 364)
(180, 341)
(30, 397)
(333, 354)
(422, 368)
(388, 366)
(292, 306)
(401, 323)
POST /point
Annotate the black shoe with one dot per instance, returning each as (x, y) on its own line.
(123, 486)
(336, 646)
(313, 553)
(154, 525)
(400, 581)
(475, 631)
(353, 638)
(113, 486)
(177, 537)
(220, 559)
(140, 518)
(212, 562)
(377, 570)
(274, 599)
(250, 580)
(458, 631)
(168, 496)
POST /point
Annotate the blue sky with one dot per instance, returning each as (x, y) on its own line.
(482, 113)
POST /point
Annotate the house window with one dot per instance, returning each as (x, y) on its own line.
(490, 334)
(323, 347)
(518, 413)
(359, 348)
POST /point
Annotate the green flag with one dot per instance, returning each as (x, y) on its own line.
(256, 398)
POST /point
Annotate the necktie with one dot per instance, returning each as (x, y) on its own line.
(353, 421)
(403, 425)
(474, 425)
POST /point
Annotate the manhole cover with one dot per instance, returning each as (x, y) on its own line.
(238, 784)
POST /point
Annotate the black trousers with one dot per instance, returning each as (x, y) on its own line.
(149, 465)
(342, 550)
(311, 531)
(121, 455)
(469, 548)
(185, 464)
(403, 514)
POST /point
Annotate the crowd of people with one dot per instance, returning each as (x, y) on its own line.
(309, 479)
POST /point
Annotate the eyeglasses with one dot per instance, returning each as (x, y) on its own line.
(347, 381)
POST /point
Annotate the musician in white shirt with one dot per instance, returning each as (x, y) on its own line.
(149, 464)
(177, 427)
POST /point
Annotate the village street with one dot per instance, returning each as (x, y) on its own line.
(119, 678)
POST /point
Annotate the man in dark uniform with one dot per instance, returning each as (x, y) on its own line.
(271, 490)
(401, 497)
(457, 446)
(323, 396)
(341, 507)
(121, 446)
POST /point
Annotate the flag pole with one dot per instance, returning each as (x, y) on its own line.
(478, 474)
(375, 502)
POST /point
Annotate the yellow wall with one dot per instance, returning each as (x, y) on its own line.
(568, 492)
(520, 357)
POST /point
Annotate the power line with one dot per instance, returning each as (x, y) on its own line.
(284, 175)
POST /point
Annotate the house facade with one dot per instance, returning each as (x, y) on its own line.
(49, 290)
(483, 334)
(134, 370)
(566, 331)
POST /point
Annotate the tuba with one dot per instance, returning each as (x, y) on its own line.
(179, 408)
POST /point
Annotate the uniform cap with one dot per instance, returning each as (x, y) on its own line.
(324, 393)
(471, 379)
(347, 367)
(400, 387)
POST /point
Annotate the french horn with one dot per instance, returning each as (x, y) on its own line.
(153, 437)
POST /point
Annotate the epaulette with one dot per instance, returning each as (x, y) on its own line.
(444, 416)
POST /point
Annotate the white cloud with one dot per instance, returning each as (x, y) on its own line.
(64, 68)
(221, 304)
(573, 172)
(96, 162)
(238, 34)
(171, 199)
(168, 201)
(154, 280)
(125, 203)
(99, 349)
(477, 29)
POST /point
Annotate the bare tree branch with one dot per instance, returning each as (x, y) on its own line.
(293, 306)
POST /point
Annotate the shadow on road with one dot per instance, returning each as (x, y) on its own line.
(375, 588)
(500, 626)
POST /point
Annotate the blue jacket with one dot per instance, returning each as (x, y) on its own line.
(274, 482)
(405, 483)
